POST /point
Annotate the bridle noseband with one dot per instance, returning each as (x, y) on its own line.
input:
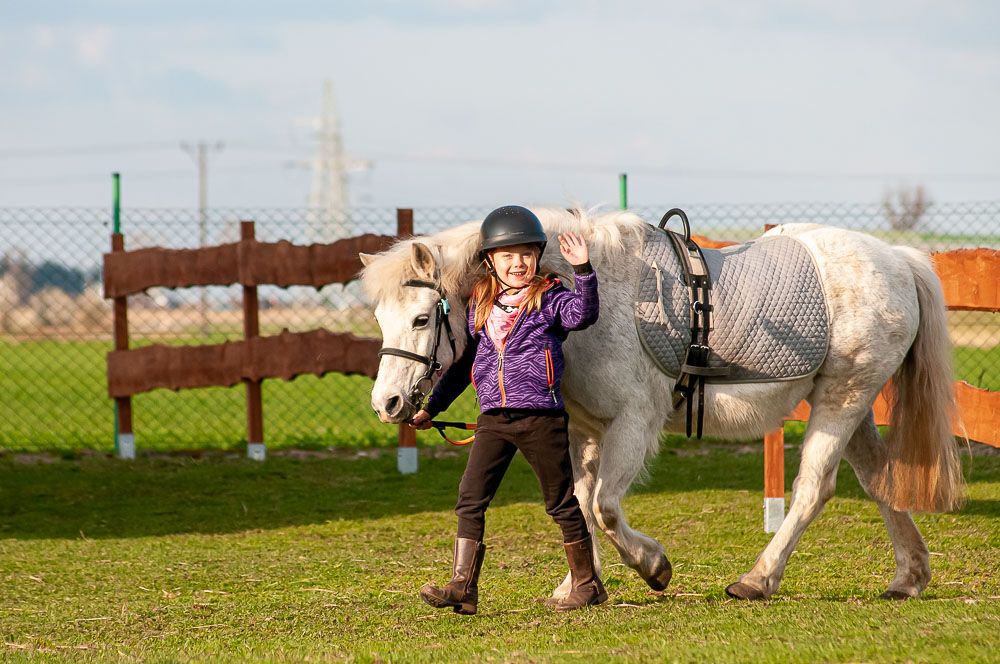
(420, 389)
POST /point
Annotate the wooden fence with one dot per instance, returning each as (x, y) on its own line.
(970, 277)
(250, 263)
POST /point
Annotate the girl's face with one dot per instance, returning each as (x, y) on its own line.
(516, 265)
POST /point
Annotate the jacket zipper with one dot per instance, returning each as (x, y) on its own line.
(503, 393)
(550, 377)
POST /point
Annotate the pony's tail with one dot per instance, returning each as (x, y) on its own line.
(923, 471)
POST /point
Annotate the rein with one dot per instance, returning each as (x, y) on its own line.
(418, 392)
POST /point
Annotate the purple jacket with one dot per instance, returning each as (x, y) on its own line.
(527, 373)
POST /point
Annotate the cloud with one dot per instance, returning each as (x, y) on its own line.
(182, 87)
(93, 45)
(45, 37)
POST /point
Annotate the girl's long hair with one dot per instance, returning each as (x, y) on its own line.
(486, 288)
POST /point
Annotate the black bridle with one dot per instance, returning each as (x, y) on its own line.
(420, 389)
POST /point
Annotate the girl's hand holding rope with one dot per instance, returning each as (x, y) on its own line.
(421, 420)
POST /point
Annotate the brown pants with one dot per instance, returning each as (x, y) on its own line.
(542, 438)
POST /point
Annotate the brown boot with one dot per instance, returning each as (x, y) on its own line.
(462, 592)
(587, 588)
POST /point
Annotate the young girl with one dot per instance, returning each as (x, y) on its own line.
(518, 321)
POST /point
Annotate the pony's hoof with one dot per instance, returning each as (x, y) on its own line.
(897, 595)
(659, 579)
(740, 590)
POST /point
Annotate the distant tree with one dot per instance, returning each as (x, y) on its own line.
(56, 275)
(94, 275)
(904, 207)
(14, 265)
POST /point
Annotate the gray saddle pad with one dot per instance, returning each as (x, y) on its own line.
(770, 320)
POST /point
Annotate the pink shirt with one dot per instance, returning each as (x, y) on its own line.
(499, 324)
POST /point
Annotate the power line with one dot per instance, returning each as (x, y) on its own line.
(483, 162)
(82, 178)
(676, 172)
(36, 153)
(663, 171)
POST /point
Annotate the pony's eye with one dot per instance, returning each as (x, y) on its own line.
(420, 321)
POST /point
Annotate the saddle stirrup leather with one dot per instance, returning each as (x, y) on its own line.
(697, 278)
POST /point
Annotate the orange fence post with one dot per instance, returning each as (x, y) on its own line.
(774, 471)
(774, 479)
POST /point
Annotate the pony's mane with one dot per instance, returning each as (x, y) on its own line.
(609, 235)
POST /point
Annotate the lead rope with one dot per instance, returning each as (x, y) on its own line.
(442, 425)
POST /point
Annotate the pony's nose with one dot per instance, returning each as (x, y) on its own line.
(391, 408)
(393, 405)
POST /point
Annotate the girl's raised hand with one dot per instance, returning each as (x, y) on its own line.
(573, 248)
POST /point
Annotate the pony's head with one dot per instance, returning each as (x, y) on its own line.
(417, 290)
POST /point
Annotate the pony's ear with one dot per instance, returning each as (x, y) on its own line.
(366, 259)
(422, 261)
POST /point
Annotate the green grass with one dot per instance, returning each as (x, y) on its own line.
(55, 399)
(979, 366)
(191, 559)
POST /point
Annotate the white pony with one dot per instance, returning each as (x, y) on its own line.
(887, 319)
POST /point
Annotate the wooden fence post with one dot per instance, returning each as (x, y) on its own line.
(256, 449)
(774, 480)
(774, 472)
(125, 438)
(406, 454)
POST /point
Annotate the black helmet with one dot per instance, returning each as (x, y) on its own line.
(510, 225)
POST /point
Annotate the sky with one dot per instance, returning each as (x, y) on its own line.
(483, 102)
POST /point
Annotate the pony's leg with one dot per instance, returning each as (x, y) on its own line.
(583, 453)
(831, 425)
(866, 452)
(623, 452)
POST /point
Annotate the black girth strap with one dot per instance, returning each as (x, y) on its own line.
(695, 369)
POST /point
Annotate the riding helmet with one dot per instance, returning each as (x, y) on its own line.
(510, 225)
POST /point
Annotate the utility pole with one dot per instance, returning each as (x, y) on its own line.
(329, 216)
(328, 197)
(199, 152)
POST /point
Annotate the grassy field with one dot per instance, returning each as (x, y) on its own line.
(55, 399)
(318, 558)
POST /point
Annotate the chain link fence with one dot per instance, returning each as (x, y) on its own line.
(55, 326)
